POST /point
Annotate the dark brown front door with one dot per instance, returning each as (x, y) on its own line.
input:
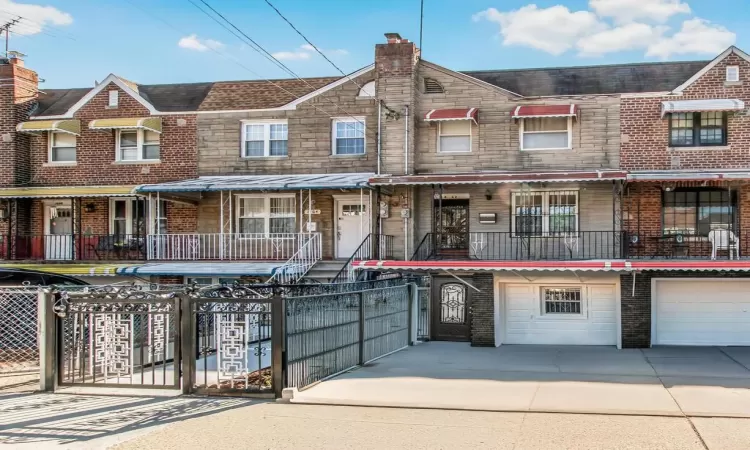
(452, 228)
(451, 316)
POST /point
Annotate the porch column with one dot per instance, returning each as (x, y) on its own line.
(221, 224)
(309, 206)
(75, 241)
(361, 215)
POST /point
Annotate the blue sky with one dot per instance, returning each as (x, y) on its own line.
(82, 41)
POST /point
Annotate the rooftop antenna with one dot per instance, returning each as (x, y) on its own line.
(6, 29)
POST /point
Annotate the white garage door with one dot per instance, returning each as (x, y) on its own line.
(701, 312)
(560, 315)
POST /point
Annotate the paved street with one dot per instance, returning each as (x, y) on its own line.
(666, 381)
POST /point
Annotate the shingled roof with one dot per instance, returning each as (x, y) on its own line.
(587, 80)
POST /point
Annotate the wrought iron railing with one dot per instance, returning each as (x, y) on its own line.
(374, 246)
(716, 245)
(69, 247)
(301, 262)
(224, 246)
(582, 245)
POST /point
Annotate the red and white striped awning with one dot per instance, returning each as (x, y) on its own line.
(437, 115)
(531, 111)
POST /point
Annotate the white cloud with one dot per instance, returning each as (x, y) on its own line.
(553, 30)
(35, 17)
(292, 56)
(193, 42)
(631, 36)
(696, 36)
(624, 11)
(306, 51)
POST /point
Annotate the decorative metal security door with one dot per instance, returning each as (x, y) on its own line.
(452, 227)
(451, 313)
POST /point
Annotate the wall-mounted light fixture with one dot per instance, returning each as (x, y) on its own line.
(89, 208)
(488, 194)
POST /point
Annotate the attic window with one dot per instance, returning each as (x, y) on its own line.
(431, 86)
(113, 97)
(733, 73)
(367, 91)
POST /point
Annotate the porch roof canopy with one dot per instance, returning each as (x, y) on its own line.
(145, 123)
(203, 269)
(688, 175)
(532, 111)
(90, 270)
(263, 183)
(40, 126)
(67, 192)
(499, 178)
(439, 115)
(585, 266)
(718, 104)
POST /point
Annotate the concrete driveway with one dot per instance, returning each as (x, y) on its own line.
(671, 381)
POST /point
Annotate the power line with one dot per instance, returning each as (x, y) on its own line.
(263, 52)
(310, 43)
(38, 24)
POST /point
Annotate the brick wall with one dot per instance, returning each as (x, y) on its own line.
(309, 137)
(95, 149)
(483, 311)
(645, 134)
(636, 309)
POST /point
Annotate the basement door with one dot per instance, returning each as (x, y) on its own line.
(451, 313)
(353, 226)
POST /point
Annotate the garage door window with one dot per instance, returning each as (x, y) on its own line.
(562, 301)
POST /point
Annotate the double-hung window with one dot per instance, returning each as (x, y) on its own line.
(264, 139)
(698, 129)
(62, 147)
(454, 136)
(138, 145)
(546, 133)
(129, 216)
(545, 213)
(348, 136)
(266, 214)
(697, 211)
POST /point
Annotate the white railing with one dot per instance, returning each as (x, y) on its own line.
(225, 247)
(302, 261)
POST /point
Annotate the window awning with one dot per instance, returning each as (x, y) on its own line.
(67, 192)
(531, 111)
(701, 105)
(203, 269)
(437, 115)
(263, 183)
(688, 175)
(145, 123)
(39, 126)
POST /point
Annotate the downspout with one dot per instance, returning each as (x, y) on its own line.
(380, 105)
(406, 172)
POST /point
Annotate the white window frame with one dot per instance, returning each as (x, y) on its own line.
(521, 133)
(266, 137)
(542, 310)
(214, 280)
(337, 120)
(148, 218)
(266, 211)
(545, 211)
(50, 139)
(140, 142)
(471, 137)
(736, 71)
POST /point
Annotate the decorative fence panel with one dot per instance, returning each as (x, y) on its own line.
(19, 349)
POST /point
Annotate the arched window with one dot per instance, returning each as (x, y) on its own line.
(368, 90)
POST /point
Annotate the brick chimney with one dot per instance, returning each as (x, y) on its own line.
(18, 95)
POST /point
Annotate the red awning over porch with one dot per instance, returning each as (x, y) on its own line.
(590, 266)
(500, 177)
(531, 111)
(437, 115)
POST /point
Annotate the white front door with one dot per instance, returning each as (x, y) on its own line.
(701, 312)
(560, 314)
(353, 226)
(58, 240)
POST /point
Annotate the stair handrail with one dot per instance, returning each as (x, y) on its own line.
(379, 249)
(426, 242)
(347, 271)
(300, 263)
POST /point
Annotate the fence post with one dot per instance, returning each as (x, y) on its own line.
(188, 344)
(278, 335)
(361, 328)
(46, 338)
(413, 312)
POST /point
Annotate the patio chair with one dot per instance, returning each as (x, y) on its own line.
(104, 246)
(724, 240)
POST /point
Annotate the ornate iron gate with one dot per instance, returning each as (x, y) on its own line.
(112, 337)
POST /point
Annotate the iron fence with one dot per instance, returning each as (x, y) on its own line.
(19, 348)
(328, 334)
